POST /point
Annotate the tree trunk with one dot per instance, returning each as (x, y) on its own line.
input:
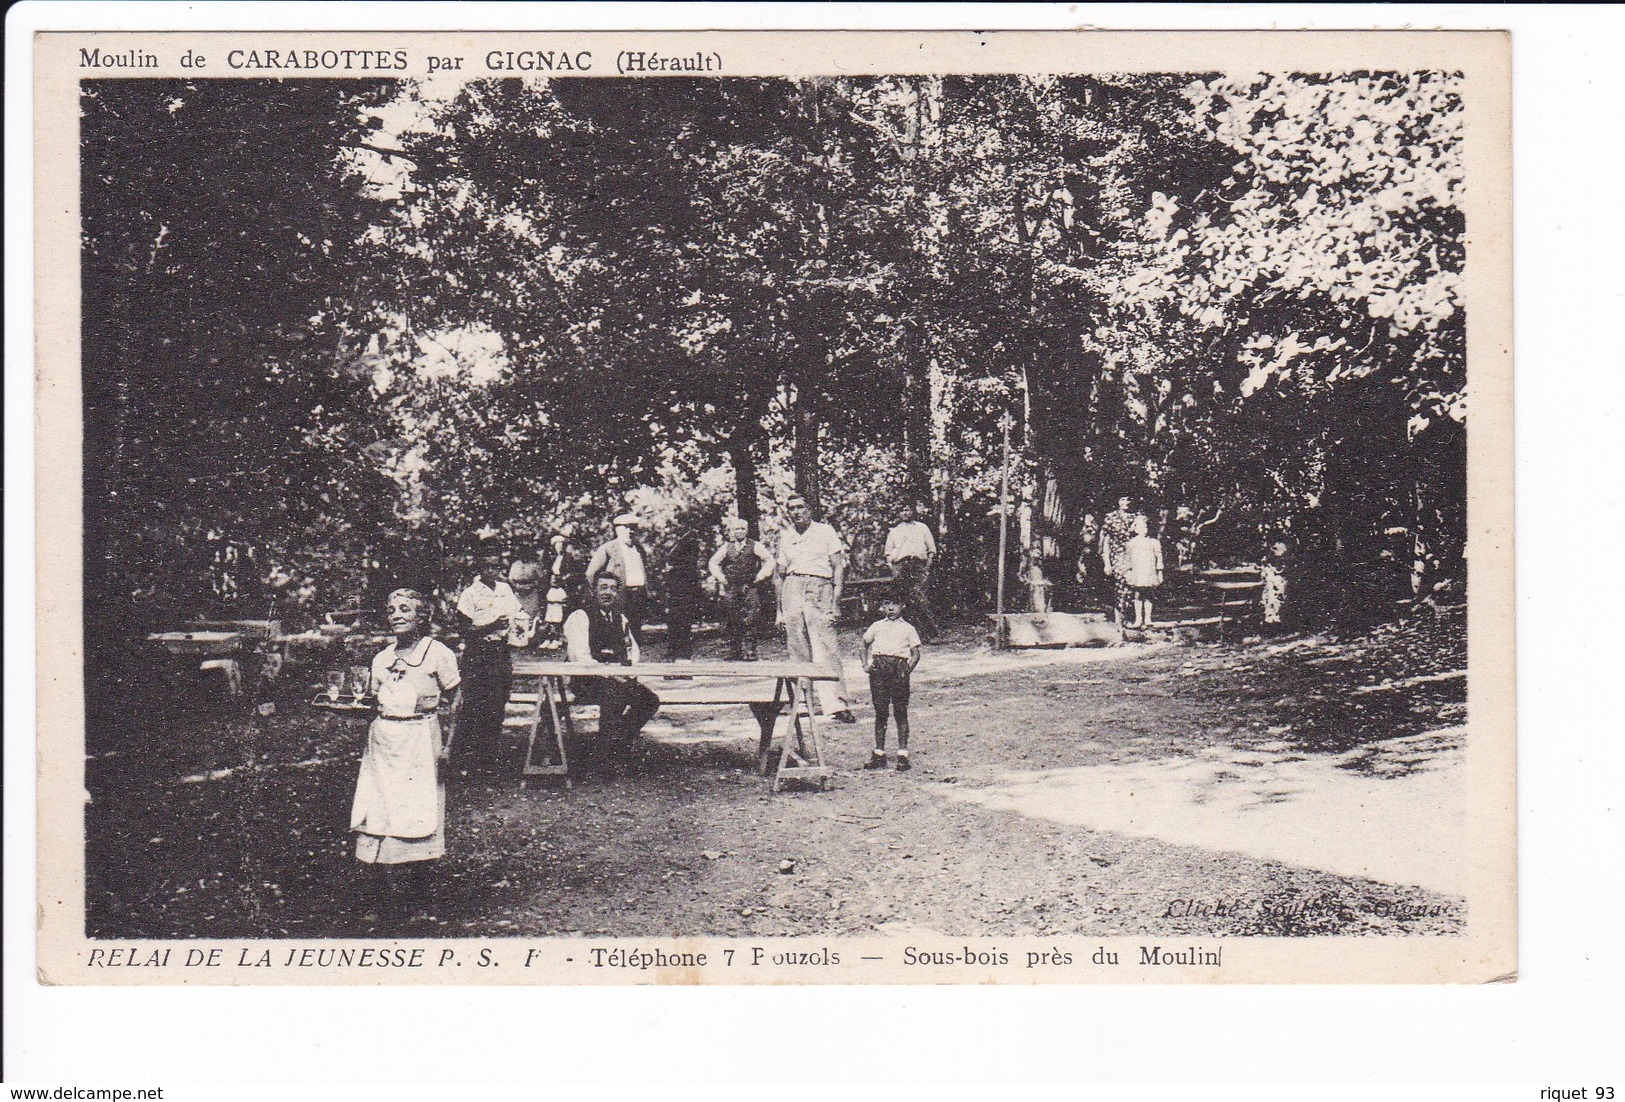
(1422, 559)
(917, 416)
(806, 444)
(920, 173)
(811, 370)
(745, 500)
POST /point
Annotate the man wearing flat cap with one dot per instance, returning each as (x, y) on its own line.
(810, 573)
(626, 560)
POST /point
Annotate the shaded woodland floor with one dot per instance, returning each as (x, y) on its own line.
(1106, 791)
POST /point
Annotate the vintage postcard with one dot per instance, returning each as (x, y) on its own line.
(775, 508)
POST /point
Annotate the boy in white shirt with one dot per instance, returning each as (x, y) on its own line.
(891, 650)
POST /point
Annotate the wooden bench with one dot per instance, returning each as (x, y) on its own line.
(252, 631)
(1210, 598)
(766, 688)
(1238, 592)
(215, 652)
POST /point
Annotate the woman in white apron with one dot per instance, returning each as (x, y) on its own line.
(399, 814)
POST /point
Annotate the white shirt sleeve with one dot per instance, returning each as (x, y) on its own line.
(891, 545)
(837, 543)
(443, 666)
(578, 647)
(483, 604)
(930, 540)
(507, 600)
(632, 561)
(468, 603)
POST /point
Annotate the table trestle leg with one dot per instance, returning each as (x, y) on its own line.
(556, 763)
(802, 755)
(767, 718)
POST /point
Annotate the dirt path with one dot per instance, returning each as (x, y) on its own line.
(1159, 788)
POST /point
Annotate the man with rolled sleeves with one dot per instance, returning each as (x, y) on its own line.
(810, 573)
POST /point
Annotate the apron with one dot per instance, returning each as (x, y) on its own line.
(397, 794)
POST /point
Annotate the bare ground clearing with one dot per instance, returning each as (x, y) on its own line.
(215, 825)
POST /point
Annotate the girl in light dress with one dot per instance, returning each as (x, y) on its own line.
(399, 813)
(1144, 570)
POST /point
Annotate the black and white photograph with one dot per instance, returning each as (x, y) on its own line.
(573, 504)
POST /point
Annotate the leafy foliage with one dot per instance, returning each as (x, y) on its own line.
(224, 388)
(531, 304)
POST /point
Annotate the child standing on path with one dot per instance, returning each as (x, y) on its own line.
(1144, 571)
(891, 650)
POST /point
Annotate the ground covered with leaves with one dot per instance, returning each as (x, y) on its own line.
(214, 821)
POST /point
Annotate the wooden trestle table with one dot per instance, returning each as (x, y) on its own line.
(770, 689)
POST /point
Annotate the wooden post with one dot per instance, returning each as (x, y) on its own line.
(1004, 524)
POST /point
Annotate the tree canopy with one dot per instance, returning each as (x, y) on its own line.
(319, 313)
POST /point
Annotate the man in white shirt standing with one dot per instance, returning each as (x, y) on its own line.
(624, 558)
(911, 551)
(486, 609)
(811, 571)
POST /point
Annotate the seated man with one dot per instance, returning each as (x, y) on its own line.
(602, 635)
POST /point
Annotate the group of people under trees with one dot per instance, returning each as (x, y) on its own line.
(596, 613)
(1122, 563)
(425, 692)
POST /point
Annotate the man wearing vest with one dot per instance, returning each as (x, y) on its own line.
(624, 559)
(739, 567)
(811, 571)
(602, 635)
